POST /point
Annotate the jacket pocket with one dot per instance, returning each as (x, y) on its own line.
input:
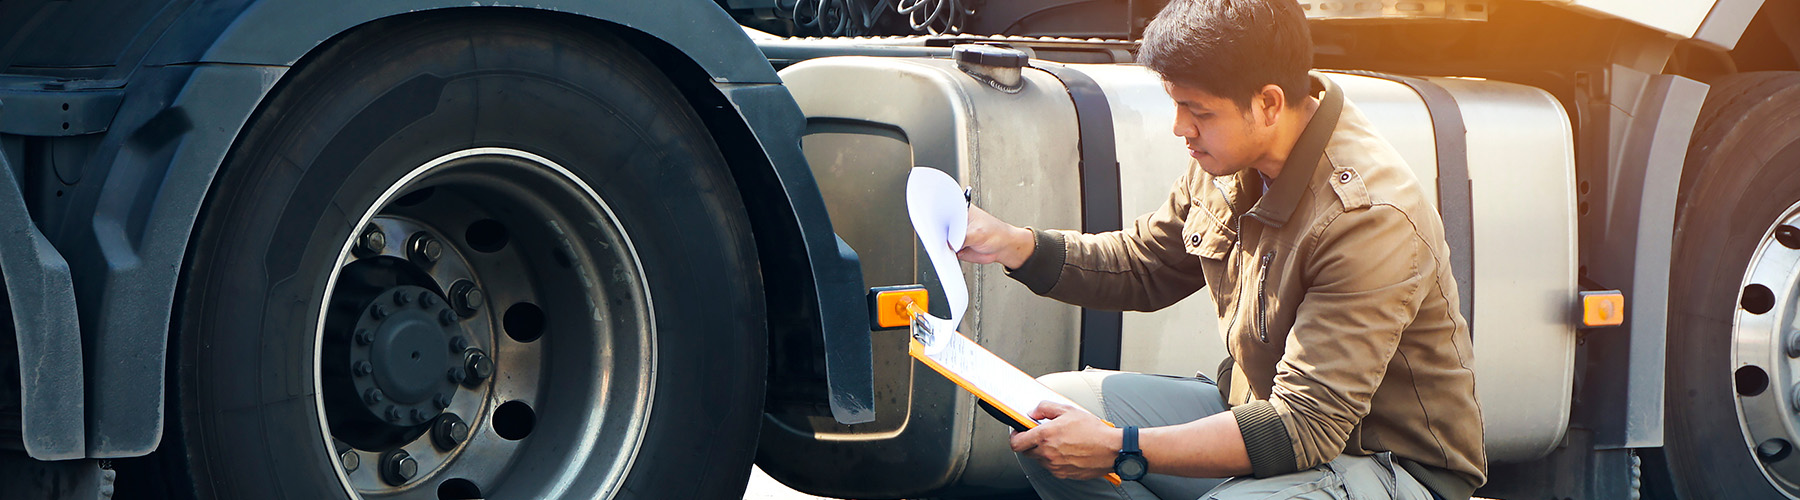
(1262, 297)
(1205, 237)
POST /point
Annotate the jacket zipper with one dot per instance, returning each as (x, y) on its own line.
(1262, 304)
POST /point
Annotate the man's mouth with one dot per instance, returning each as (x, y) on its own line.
(1196, 153)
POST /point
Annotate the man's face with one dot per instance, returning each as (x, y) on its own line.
(1224, 137)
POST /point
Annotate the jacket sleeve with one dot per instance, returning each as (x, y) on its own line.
(1142, 267)
(1366, 282)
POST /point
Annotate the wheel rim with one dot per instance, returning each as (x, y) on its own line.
(1766, 353)
(487, 327)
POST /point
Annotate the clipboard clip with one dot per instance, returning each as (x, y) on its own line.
(921, 325)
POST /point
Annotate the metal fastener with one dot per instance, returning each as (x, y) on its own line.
(372, 396)
(441, 401)
(446, 317)
(378, 311)
(398, 467)
(427, 300)
(362, 369)
(425, 249)
(392, 414)
(351, 460)
(449, 431)
(402, 298)
(466, 297)
(1344, 177)
(1793, 344)
(458, 344)
(372, 241)
(365, 337)
(457, 375)
(479, 366)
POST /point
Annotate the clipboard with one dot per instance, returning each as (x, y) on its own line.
(1003, 389)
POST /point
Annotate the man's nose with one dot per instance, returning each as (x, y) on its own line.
(1184, 128)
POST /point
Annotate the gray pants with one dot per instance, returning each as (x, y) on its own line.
(1157, 400)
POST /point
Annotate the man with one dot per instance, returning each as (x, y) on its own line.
(1327, 262)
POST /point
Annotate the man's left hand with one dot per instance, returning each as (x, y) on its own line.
(1074, 444)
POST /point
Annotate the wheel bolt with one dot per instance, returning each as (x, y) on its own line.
(479, 366)
(1793, 344)
(449, 432)
(401, 299)
(419, 415)
(1794, 398)
(458, 344)
(398, 467)
(427, 300)
(365, 337)
(378, 311)
(466, 297)
(372, 241)
(447, 317)
(393, 414)
(351, 460)
(362, 369)
(442, 401)
(372, 396)
(425, 249)
(458, 375)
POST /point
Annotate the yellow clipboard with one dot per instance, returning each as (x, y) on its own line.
(996, 382)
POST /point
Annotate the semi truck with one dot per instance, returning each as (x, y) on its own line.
(626, 249)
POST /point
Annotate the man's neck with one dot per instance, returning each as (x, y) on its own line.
(1286, 135)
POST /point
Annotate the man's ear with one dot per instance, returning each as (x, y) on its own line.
(1271, 101)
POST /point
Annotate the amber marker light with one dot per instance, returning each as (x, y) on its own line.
(889, 304)
(1602, 308)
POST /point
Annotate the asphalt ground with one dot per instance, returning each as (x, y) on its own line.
(763, 487)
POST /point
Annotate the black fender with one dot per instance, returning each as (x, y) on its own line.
(205, 77)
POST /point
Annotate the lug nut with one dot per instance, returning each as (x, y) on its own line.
(393, 414)
(458, 375)
(441, 401)
(402, 298)
(466, 297)
(372, 241)
(362, 369)
(372, 396)
(378, 311)
(479, 366)
(447, 317)
(365, 337)
(425, 249)
(449, 432)
(351, 460)
(419, 416)
(398, 467)
(427, 300)
(1793, 344)
(458, 344)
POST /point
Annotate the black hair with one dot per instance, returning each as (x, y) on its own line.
(1231, 48)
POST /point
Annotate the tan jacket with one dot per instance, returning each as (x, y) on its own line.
(1334, 297)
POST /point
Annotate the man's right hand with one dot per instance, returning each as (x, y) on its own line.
(991, 240)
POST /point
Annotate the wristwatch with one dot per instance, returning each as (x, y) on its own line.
(1130, 465)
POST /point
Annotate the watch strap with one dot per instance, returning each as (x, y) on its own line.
(1130, 442)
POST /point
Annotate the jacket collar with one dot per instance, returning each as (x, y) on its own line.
(1275, 206)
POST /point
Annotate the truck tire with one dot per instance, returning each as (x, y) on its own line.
(1733, 378)
(471, 255)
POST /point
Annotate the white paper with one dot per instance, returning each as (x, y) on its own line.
(940, 216)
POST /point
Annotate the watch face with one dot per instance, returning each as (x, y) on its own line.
(1131, 467)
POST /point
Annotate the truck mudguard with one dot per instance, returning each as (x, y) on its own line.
(198, 84)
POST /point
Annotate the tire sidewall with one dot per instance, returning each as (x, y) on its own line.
(1734, 192)
(352, 123)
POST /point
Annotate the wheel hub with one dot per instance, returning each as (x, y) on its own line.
(1766, 353)
(401, 353)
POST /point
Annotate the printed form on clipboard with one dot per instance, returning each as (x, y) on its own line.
(939, 212)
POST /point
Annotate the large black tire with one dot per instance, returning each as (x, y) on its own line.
(1742, 175)
(255, 412)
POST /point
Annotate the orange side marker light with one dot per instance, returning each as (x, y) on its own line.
(1602, 308)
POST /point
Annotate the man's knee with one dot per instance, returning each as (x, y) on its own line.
(1082, 387)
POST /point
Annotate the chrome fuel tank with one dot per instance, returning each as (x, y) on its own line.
(871, 119)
